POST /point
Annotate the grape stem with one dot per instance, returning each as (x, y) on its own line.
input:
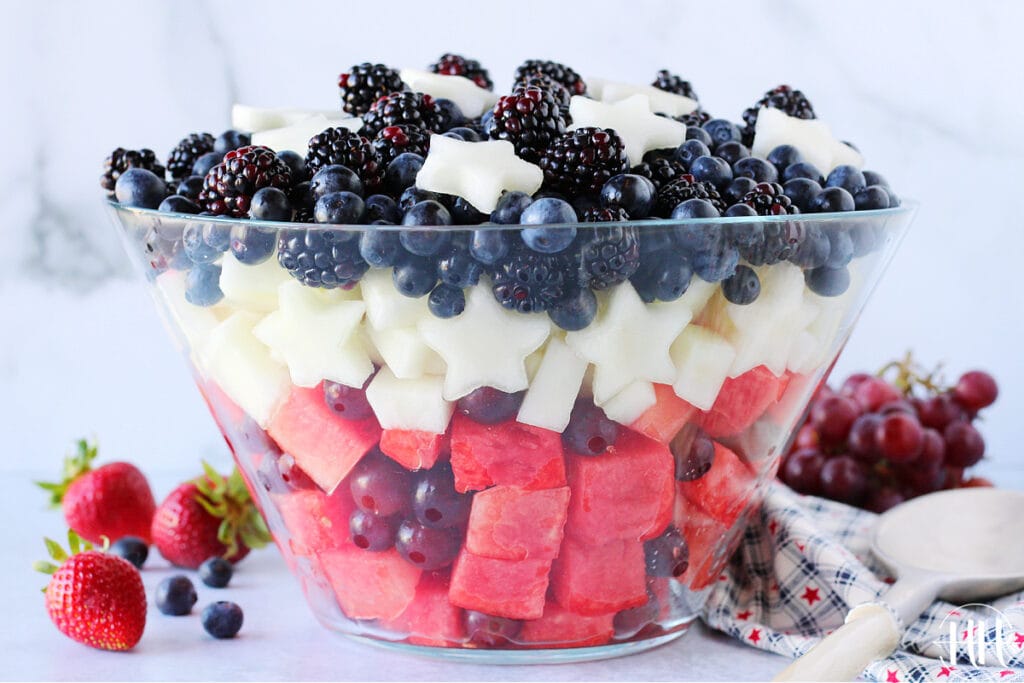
(909, 375)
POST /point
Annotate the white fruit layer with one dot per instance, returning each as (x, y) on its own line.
(811, 137)
(295, 137)
(471, 99)
(258, 119)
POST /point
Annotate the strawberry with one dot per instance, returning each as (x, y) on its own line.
(94, 598)
(210, 516)
(111, 501)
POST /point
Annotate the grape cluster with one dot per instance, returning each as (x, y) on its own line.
(875, 443)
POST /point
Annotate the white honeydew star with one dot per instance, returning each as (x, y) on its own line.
(659, 100)
(477, 171)
(470, 97)
(640, 130)
(485, 346)
(313, 331)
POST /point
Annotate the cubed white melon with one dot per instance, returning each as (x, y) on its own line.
(242, 367)
(804, 353)
(386, 307)
(661, 101)
(554, 388)
(414, 404)
(405, 352)
(253, 288)
(630, 403)
(294, 137)
(257, 119)
(471, 99)
(703, 360)
(609, 380)
(193, 322)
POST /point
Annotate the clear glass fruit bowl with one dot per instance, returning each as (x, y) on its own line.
(540, 460)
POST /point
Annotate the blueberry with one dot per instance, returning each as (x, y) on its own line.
(742, 287)
(840, 248)
(446, 301)
(251, 244)
(334, 178)
(827, 281)
(488, 246)
(831, 199)
(722, 130)
(216, 572)
(813, 249)
(711, 169)
(803, 169)
(589, 431)
(141, 188)
(202, 285)
(864, 239)
(847, 177)
(632, 192)
(427, 212)
(872, 178)
(217, 235)
(576, 311)
(230, 140)
(178, 204)
(732, 152)
(694, 208)
(372, 532)
(487, 122)
(197, 247)
(654, 242)
(296, 164)
(175, 596)
(459, 269)
(784, 156)
(339, 208)
(301, 195)
(380, 207)
(758, 169)
(736, 190)
(401, 172)
(131, 548)
(190, 187)
(270, 204)
(546, 211)
(463, 133)
(698, 133)
(717, 264)
(222, 619)
(451, 114)
(691, 150)
(510, 207)
(802, 192)
(672, 279)
(866, 199)
(415, 276)
(207, 161)
(464, 213)
(740, 210)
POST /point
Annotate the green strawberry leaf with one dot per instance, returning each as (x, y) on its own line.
(44, 567)
(75, 466)
(54, 549)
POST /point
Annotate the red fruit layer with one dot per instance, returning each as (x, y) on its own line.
(370, 585)
(559, 627)
(594, 579)
(510, 523)
(741, 401)
(411, 449)
(513, 589)
(508, 453)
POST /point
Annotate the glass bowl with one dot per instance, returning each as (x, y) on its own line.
(489, 485)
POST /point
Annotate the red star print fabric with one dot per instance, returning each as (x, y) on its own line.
(804, 562)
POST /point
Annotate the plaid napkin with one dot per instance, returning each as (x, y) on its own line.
(805, 561)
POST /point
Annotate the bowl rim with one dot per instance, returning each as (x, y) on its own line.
(907, 207)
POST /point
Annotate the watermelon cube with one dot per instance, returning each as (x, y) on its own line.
(594, 579)
(413, 450)
(508, 453)
(370, 585)
(666, 417)
(430, 619)
(510, 523)
(316, 521)
(709, 541)
(724, 490)
(505, 588)
(625, 493)
(323, 444)
(741, 401)
(559, 627)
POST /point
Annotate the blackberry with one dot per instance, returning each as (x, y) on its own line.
(403, 108)
(669, 82)
(229, 186)
(682, 188)
(768, 199)
(776, 242)
(611, 256)
(661, 168)
(395, 140)
(456, 65)
(185, 153)
(603, 214)
(792, 102)
(555, 89)
(557, 72)
(529, 118)
(530, 282)
(581, 161)
(696, 118)
(346, 148)
(121, 159)
(364, 84)
(321, 258)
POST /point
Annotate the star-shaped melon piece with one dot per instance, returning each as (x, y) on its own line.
(660, 100)
(812, 138)
(295, 136)
(314, 332)
(640, 130)
(470, 97)
(386, 307)
(485, 346)
(477, 171)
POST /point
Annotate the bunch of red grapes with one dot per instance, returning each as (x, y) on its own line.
(875, 443)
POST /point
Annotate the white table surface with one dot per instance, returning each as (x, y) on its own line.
(280, 640)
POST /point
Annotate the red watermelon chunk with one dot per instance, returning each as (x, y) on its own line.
(505, 588)
(741, 401)
(323, 444)
(370, 585)
(430, 619)
(724, 490)
(559, 627)
(413, 450)
(596, 579)
(625, 493)
(666, 417)
(510, 523)
(709, 541)
(508, 454)
(316, 521)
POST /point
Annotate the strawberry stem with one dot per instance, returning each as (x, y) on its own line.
(75, 465)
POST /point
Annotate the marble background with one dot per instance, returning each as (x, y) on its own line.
(931, 92)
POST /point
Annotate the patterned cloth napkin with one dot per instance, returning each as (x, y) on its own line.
(805, 561)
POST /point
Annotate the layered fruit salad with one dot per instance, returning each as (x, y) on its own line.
(506, 371)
